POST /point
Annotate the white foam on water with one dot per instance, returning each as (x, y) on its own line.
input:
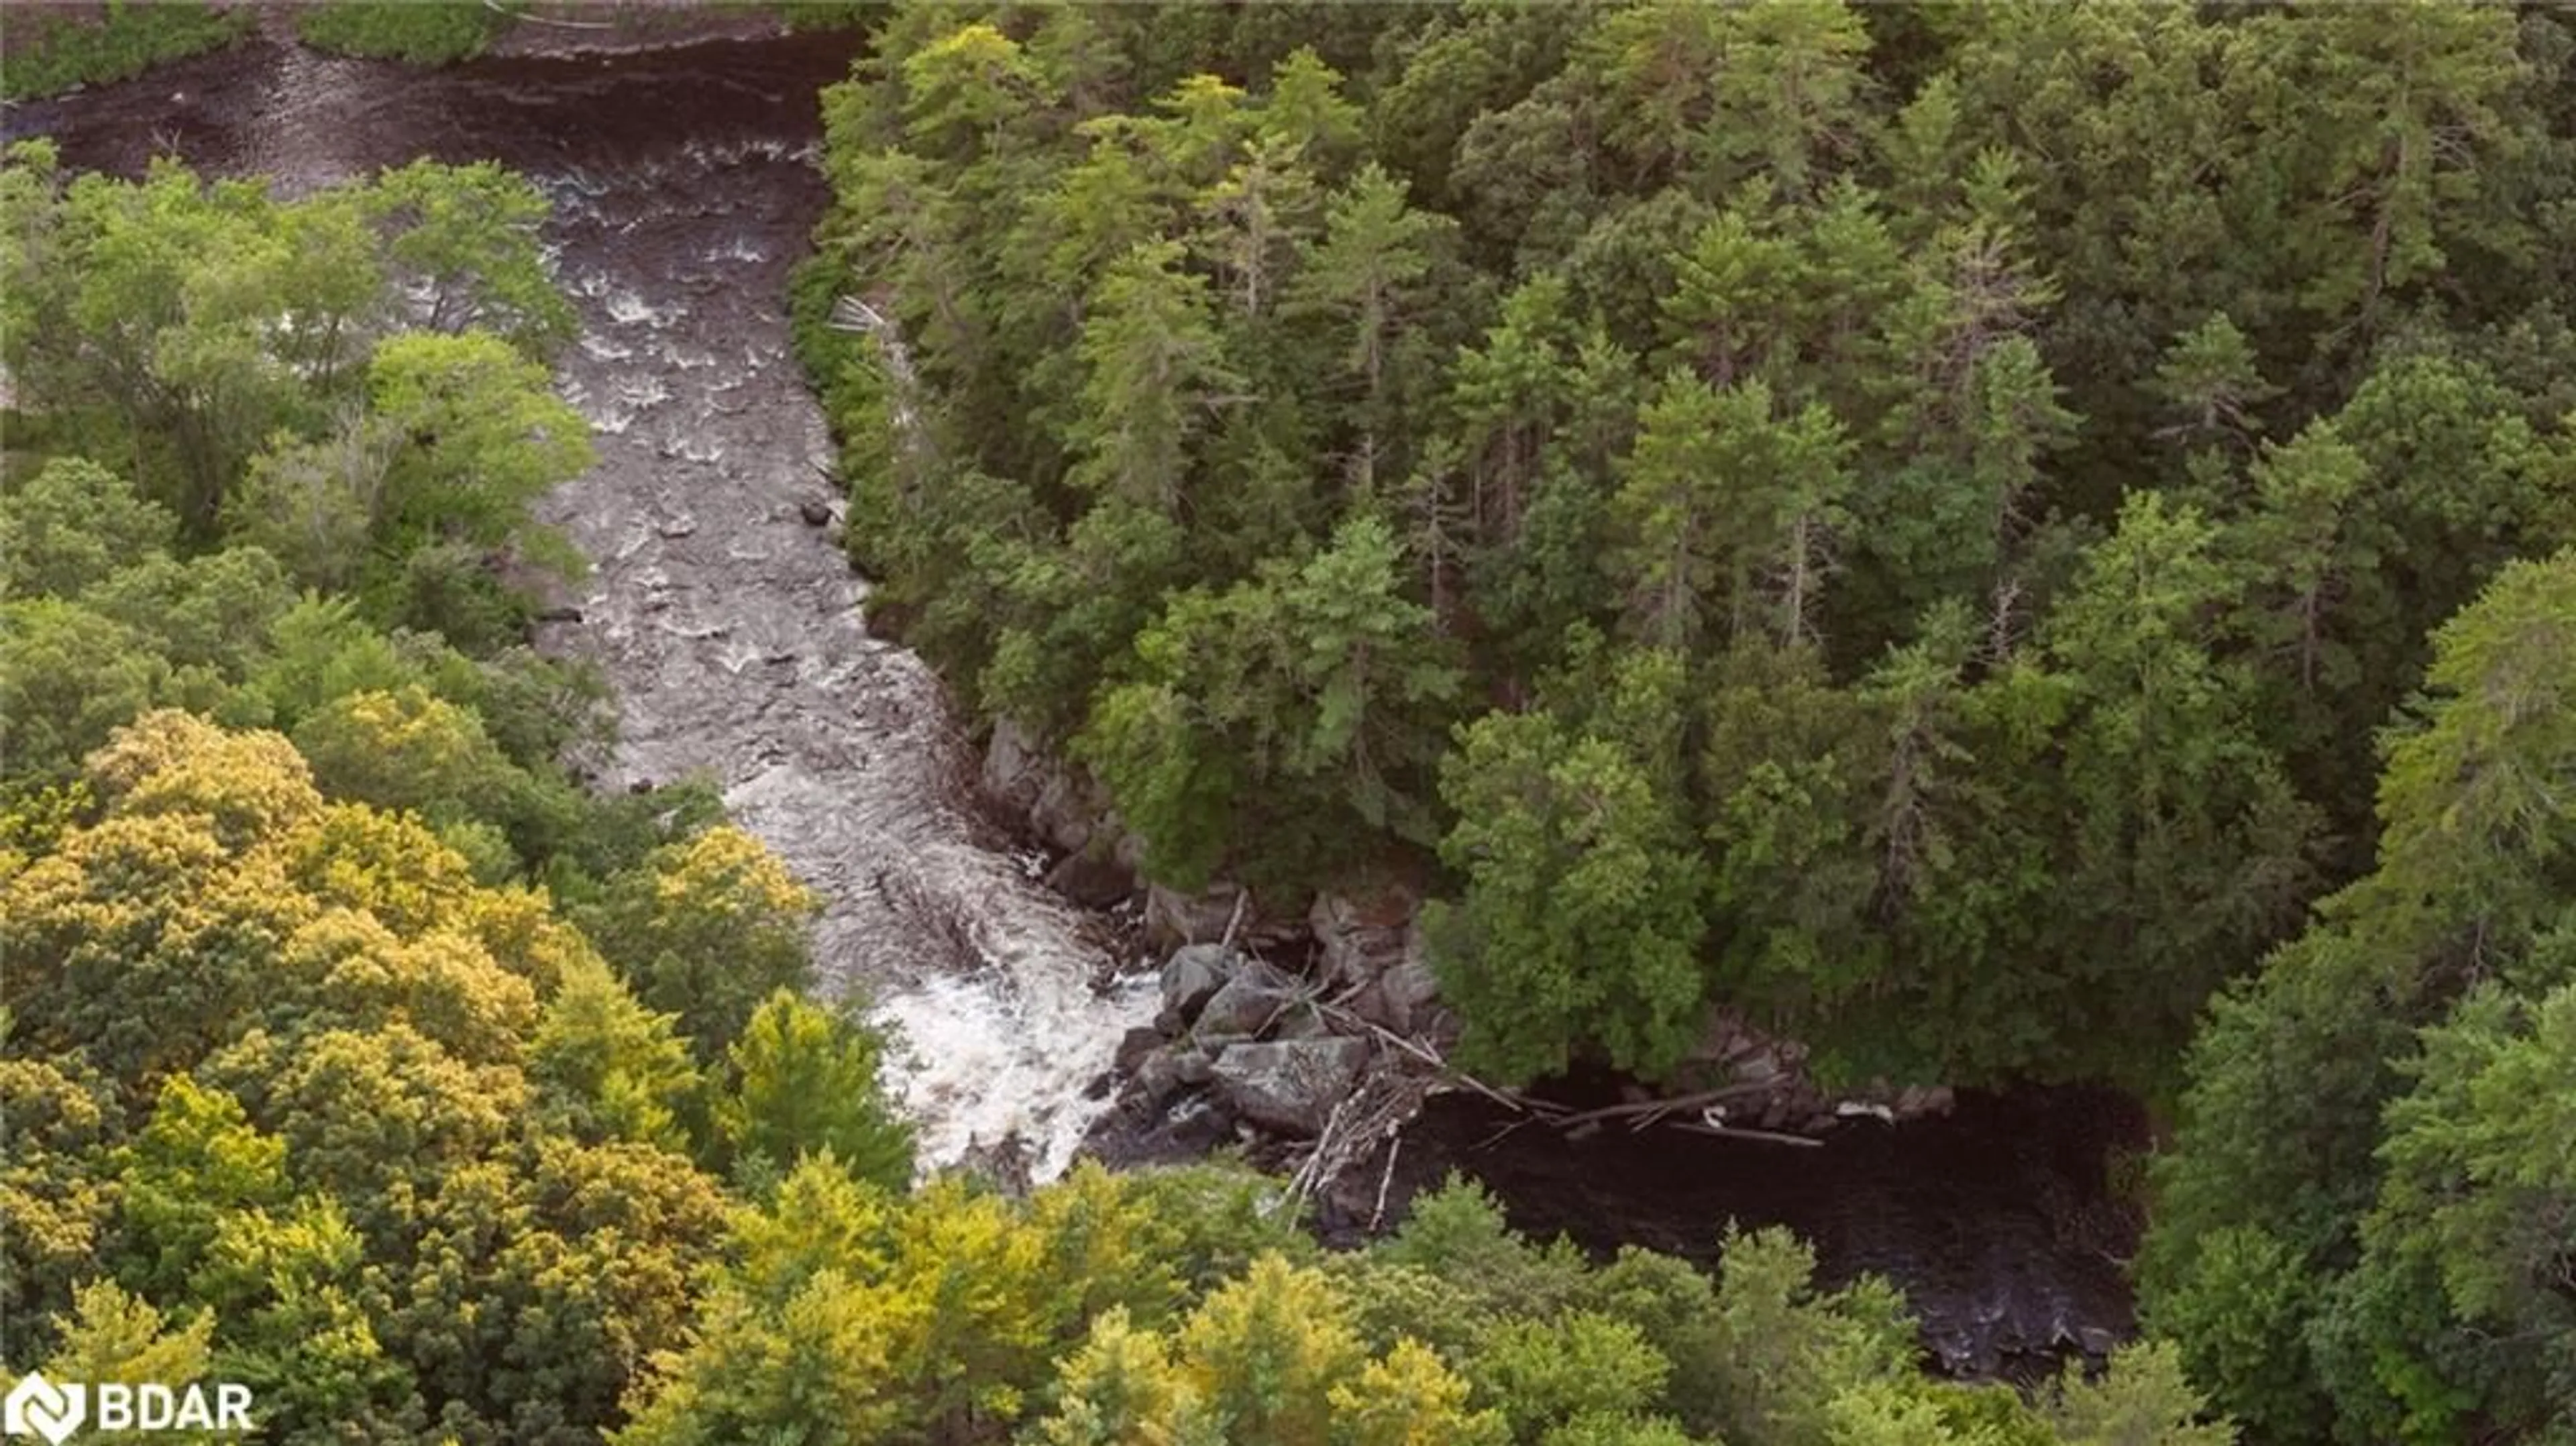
(643, 391)
(733, 152)
(689, 449)
(626, 308)
(985, 1056)
(737, 651)
(574, 181)
(985, 976)
(611, 419)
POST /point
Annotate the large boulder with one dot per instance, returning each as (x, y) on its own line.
(1172, 917)
(1291, 1085)
(1358, 939)
(1094, 883)
(1062, 804)
(1015, 773)
(1407, 994)
(1249, 1003)
(1370, 944)
(1134, 1046)
(1194, 974)
(1166, 1072)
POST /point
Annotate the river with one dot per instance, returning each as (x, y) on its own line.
(733, 632)
(2000, 1220)
(736, 639)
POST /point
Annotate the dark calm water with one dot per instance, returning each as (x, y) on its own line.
(1998, 1220)
(684, 187)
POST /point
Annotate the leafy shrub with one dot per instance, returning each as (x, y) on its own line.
(422, 34)
(52, 53)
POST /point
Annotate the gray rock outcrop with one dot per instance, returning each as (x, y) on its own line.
(1194, 974)
(1358, 940)
(1249, 1003)
(1291, 1085)
(1172, 917)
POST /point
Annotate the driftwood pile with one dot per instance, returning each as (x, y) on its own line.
(1413, 1071)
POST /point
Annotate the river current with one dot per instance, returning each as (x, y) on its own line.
(732, 630)
(684, 186)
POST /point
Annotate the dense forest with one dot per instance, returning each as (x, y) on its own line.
(1960, 532)
(52, 49)
(2008, 542)
(356, 1054)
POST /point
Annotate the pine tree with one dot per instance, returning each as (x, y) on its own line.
(1156, 369)
(809, 1082)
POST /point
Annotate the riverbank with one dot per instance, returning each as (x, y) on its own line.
(597, 27)
(49, 51)
(735, 634)
(57, 49)
(729, 626)
(2008, 1220)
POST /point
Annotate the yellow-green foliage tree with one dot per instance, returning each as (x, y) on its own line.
(297, 1102)
(804, 1082)
(708, 929)
(388, 1145)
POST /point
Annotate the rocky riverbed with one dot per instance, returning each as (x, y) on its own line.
(1999, 1216)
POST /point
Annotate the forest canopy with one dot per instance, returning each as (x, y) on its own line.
(356, 1054)
(2007, 542)
(1905, 522)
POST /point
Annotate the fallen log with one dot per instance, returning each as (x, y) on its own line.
(1644, 1113)
(1739, 1132)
